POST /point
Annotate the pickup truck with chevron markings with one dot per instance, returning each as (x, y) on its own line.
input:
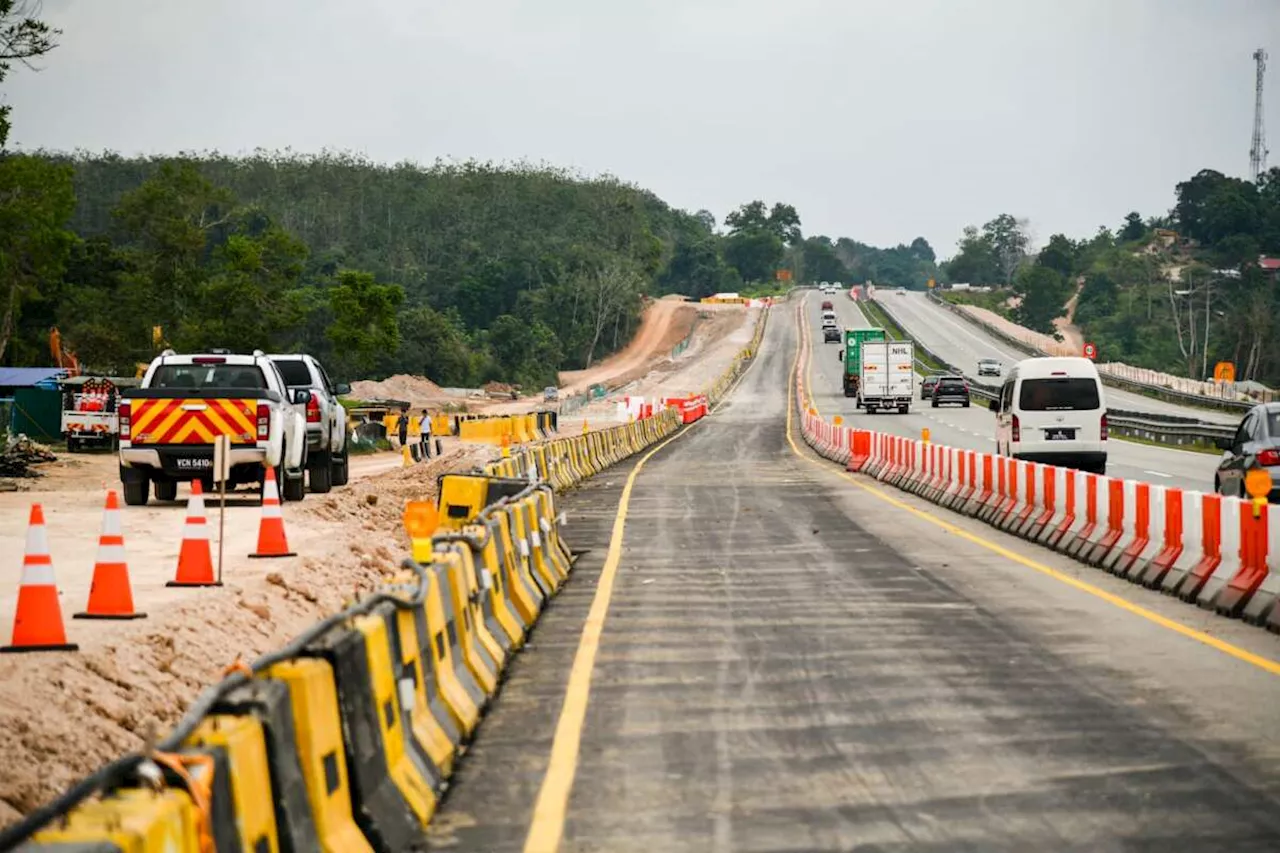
(168, 425)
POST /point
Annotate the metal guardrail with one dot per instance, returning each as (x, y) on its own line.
(1172, 430)
(1159, 392)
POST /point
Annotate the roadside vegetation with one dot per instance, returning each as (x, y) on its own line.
(993, 300)
(1177, 292)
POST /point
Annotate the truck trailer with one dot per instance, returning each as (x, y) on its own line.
(888, 376)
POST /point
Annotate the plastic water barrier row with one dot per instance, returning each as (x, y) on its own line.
(1206, 549)
(346, 738)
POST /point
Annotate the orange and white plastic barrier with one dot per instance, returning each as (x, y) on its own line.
(1203, 548)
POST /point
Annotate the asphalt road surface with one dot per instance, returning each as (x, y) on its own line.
(974, 428)
(794, 659)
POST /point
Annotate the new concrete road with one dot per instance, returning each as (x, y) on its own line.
(974, 428)
(762, 653)
(962, 344)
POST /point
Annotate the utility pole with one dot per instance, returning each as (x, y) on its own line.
(1204, 366)
(1258, 150)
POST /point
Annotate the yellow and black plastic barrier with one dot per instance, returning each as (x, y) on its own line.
(506, 429)
(345, 739)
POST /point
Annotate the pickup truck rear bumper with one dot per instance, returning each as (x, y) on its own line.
(177, 462)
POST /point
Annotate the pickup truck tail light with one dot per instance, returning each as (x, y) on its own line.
(126, 421)
(1103, 428)
(1017, 429)
(313, 411)
(264, 421)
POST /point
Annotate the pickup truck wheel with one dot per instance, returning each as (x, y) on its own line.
(166, 490)
(320, 474)
(136, 492)
(294, 488)
(341, 468)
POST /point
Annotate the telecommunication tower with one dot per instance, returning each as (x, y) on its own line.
(1258, 150)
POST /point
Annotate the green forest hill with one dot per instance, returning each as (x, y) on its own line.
(463, 273)
(460, 272)
(1175, 293)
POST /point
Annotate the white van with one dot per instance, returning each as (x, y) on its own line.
(828, 317)
(1053, 410)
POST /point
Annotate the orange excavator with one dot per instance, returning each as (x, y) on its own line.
(62, 356)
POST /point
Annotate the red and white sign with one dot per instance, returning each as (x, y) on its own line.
(1090, 351)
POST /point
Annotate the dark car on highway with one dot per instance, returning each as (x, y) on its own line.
(1256, 444)
(927, 385)
(951, 389)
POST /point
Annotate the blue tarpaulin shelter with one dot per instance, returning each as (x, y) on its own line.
(35, 405)
(29, 377)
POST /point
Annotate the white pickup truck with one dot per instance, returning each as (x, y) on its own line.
(888, 376)
(168, 425)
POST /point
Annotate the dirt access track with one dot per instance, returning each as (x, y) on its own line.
(64, 714)
(665, 323)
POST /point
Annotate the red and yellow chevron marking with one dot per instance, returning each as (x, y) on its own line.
(194, 421)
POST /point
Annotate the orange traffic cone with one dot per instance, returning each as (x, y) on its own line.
(271, 539)
(110, 596)
(195, 561)
(37, 624)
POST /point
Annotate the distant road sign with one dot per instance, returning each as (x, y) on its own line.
(1090, 352)
(1224, 371)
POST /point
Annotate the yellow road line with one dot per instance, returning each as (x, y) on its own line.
(550, 809)
(1263, 663)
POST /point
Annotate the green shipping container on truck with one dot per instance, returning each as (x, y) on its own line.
(852, 356)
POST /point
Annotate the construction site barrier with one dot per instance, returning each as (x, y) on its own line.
(345, 739)
(1205, 549)
(489, 429)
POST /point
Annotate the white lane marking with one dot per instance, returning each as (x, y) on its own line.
(1158, 474)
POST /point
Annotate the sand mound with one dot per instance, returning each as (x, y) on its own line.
(399, 387)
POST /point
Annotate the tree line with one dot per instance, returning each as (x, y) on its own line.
(460, 272)
(1176, 292)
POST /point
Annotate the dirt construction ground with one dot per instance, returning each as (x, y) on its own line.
(722, 332)
(64, 714)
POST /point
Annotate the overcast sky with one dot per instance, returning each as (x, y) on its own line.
(879, 121)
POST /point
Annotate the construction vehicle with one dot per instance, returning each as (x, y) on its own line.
(63, 357)
(89, 410)
(851, 355)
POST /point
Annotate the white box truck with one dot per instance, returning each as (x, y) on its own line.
(888, 376)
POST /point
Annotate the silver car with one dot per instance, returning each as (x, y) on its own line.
(1256, 444)
(989, 367)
